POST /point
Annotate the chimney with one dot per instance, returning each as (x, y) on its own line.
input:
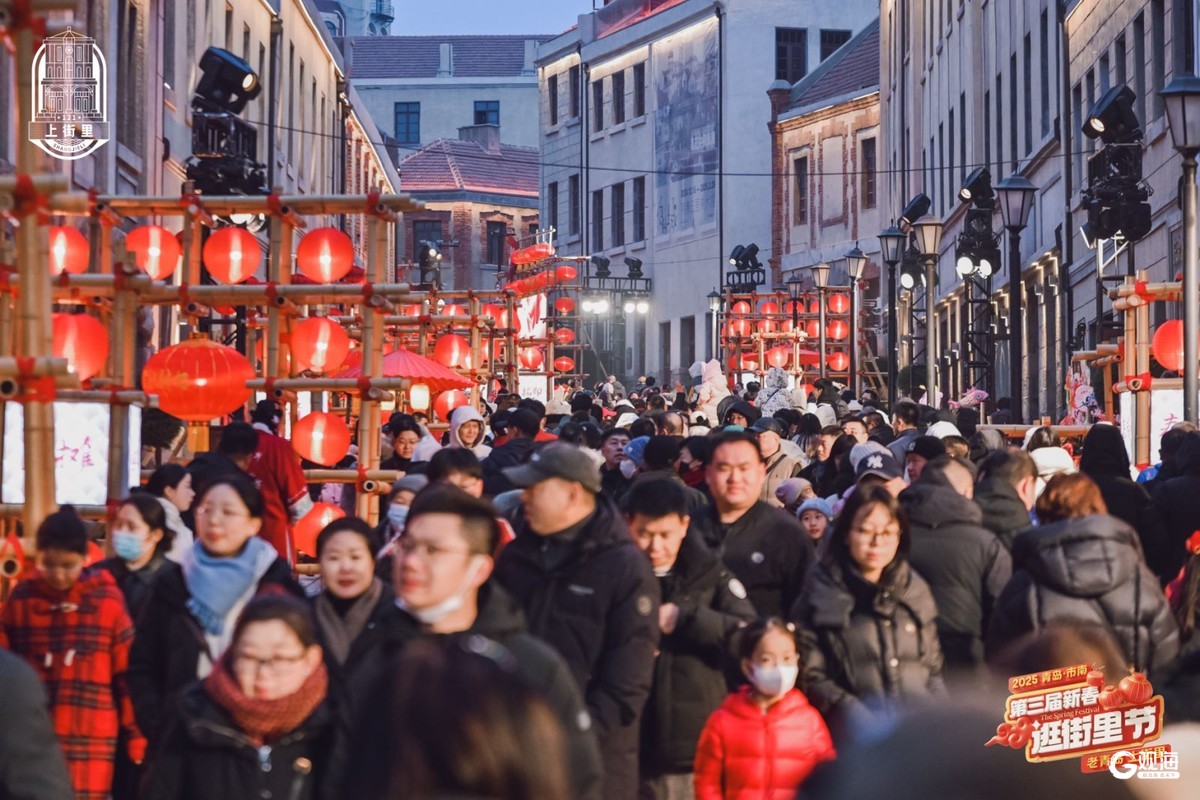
(530, 67)
(779, 93)
(486, 136)
(446, 61)
(348, 54)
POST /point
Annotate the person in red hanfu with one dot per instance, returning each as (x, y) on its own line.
(276, 470)
(71, 626)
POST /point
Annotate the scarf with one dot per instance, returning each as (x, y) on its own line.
(216, 584)
(183, 534)
(266, 721)
(340, 631)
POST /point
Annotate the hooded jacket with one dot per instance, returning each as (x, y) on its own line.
(1004, 513)
(964, 564)
(744, 408)
(1087, 569)
(712, 389)
(775, 395)
(1178, 500)
(1051, 461)
(464, 414)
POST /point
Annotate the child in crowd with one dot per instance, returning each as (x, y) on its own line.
(815, 515)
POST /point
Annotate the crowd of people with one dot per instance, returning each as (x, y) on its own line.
(702, 593)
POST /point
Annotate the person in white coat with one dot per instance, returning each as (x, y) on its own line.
(711, 389)
(467, 430)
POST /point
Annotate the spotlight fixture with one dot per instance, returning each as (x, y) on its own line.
(735, 255)
(978, 188)
(1112, 119)
(227, 83)
(750, 258)
(635, 266)
(917, 207)
(601, 263)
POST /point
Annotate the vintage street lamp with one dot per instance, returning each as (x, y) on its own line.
(1182, 101)
(1016, 203)
(928, 231)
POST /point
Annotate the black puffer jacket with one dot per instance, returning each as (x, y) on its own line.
(509, 454)
(743, 407)
(964, 564)
(867, 647)
(597, 605)
(203, 756)
(1178, 500)
(688, 682)
(1087, 569)
(1003, 512)
(135, 585)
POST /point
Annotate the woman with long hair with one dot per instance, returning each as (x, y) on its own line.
(171, 486)
(140, 538)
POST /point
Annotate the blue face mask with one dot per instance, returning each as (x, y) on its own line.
(397, 515)
(128, 546)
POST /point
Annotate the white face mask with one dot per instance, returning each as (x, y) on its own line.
(439, 611)
(774, 681)
(628, 469)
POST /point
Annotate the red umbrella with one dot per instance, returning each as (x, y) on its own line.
(407, 364)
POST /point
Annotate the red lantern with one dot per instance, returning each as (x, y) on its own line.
(198, 380)
(769, 307)
(794, 307)
(740, 307)
(531, 358)
(321, 438)
(743, 364)
(566, 274)
(564, 363)
(786, 326)
(452, 351)
(325, 255)
(813, 329)
(838, 362)
(452, 310)
(766, 326)
(156, 250)
(82, 341)
(564, 336)
(778, 356)
(1110, 698)
(232, 255)
(738, 328)
(839, 303)
(68, 251)
(837, 330)
(304, 533)
(1135, 688)
(1095, 678)
(320, 345)
(1167, 345)
(564, 305)
(814, 307)
(447, 401)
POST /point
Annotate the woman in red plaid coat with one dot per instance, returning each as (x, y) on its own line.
(73, 629)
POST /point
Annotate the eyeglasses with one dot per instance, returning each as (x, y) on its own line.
(274, 664)
(407, 546)
(219, 511)
(889, 535)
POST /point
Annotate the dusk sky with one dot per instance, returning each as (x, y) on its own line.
(486, 16)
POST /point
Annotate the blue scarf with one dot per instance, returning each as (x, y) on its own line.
(216, 584)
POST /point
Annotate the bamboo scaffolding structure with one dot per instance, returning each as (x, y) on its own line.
(384, 207)
(1141, 439)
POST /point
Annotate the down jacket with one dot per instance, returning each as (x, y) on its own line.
(1088, 569)
(748, 754)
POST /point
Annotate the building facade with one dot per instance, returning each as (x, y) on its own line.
(652, 147)
(357, 17)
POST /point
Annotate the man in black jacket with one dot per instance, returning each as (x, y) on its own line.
(590, 594)
(765, 547)
(1005, 493)
(1178, 500)
(703, 605)
(612, 447)
(964, 563)
(31, 763)
(906, 416)
(523, 426)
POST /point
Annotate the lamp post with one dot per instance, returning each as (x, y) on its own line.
(714, 310)
(891, 245)
(820, 274)
(856, 262)
(1016, 201)
(928, 231)
(1182, 101)
(795, 288)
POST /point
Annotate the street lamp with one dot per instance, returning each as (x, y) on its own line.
(820, 273)
(928, 230)
(1016, 202)
(891, 246)
(715, 300)
(1182, 101)
(856, 262)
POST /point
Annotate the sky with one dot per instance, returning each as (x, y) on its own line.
(423, 18)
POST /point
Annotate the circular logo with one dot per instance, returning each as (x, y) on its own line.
(644, 605)
(1123, 765)
(757, 558)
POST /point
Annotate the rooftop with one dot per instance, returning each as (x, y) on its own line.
(420, 56)
(458, 165)
(852, 69)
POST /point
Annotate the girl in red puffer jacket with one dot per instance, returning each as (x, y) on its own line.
(765, 739)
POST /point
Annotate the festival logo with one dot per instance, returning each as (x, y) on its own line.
(70, 100)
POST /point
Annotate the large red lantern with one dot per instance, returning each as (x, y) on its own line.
(452, 351)
(813, 329)
(155, 249)
(778, 356)
(837, 330)
(447, 401)
(322, 438)
(814, 307)
(566, 274)
(564, 363)
(769, 307)
(739, 328)
(325, 255)
(1167, 345)
(838, 361)
(740, 307)
(232, 255)
(839, 303)
(305, 532)
(198, 380)
(496, 313)
(531, 358)
(564, 305)
(413, 310)
(452, 310)
(82, 341)
(564, 336)
(743, 364)
(68, 251)
(319, 345)
(766, 325)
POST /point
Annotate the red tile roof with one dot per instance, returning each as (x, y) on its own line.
(854, 67)
(420, 56)
(456, 165)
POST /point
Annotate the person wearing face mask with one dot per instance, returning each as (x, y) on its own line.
(140, 541)
(441, 577)
(765, 739)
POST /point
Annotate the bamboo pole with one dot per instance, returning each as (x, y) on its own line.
(1141, 439)
(385, 207)
(331, 384)
(372, 350)
(123, 348)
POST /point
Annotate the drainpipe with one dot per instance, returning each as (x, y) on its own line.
(1067, 236)
(273, 97)
(720, 149)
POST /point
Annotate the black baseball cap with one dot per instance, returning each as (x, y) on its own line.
(557, 460)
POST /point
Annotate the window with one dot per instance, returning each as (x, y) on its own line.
(800, 201)
(1105, 70)
(940, 167)
(999, 127)
(487, 112)
(869, 174)
(1077, 132)
(408, 123)
(597, 106)
(1158, 34)
(229, 28)
(1120, 56)
(573, 77)
(1012, 110)
(497, 235)
(832, 40)
(291, 123)
(791, 54)
(598, 219)
(1139, 66)
(639, 89)
(618, 214)
(552, 205)
(425, 230)
(1089, 84)
(168, 37)
(1028, 86)
(618, 97)
(552, 98)
(987, 130)
(246, 42)
(950, 176)
(574, 199)
(639, 209)
(1045, 74)
(962, 136)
